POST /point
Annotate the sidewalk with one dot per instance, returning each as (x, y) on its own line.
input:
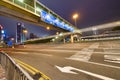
(2, 73)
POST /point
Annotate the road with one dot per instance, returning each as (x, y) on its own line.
(76, 61)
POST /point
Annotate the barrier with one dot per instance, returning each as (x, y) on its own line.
(12, 70)
(36, 74)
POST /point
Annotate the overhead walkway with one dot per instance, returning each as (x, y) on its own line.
(54, 38)
(34, 12)
(100, 27)
(79, 32)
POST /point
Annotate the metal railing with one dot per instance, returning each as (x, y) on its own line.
(36, 74)
(24, 5)
(12, 70)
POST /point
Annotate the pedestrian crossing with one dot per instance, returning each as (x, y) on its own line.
(80, 51)
(84, 54)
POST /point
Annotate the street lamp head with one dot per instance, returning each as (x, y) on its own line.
(48, 28)
(75, 16)
(25, 31)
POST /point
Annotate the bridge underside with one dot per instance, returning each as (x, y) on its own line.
(19, 13)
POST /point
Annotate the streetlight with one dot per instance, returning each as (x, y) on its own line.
(25, 31)
(24, 34)
(48, 28)
(75, 16)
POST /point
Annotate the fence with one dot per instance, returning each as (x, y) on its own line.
(12, 70)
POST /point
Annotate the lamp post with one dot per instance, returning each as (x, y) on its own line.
(75, 16)
(24, 34)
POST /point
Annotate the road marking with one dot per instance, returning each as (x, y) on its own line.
(21, 52)
(84, 54)
(112, 61)
(112, 57)
(32, 69)
(112, 50)
(59, 50)
(33, 53)
(105, 65)
(42, 54)
(52, 50)
(105, 53)
(68, 69)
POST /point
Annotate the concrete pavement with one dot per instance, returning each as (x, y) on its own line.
(86, 60)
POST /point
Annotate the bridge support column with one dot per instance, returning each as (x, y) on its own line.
(71, 38)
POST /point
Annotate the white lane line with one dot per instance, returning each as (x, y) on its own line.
(58, 50)
(95, 75)
(100, 64)
(84, 54)
(52, 50)
(112, 61)
(105, 53)
(112, 50)
(69, 69)
(42, 54)
(33, 53)
(21, 53)
(112, 57)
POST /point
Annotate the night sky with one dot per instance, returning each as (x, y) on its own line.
(92, 12)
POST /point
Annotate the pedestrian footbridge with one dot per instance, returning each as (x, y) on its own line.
(34, 12)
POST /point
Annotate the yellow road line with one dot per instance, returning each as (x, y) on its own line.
(31, 69)
(28, 69)
(35, 70)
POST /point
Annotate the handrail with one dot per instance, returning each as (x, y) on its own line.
(12, 70)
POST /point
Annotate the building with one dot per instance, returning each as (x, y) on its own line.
(20, 33)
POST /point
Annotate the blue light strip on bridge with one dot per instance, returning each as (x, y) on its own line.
(48, 18)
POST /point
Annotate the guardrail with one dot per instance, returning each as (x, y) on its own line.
(12, 70)
(36, 74)
(23, 5)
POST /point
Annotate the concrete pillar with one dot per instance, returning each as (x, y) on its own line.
(71, 38)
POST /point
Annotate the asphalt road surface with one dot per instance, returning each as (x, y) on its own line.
(76, 61)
